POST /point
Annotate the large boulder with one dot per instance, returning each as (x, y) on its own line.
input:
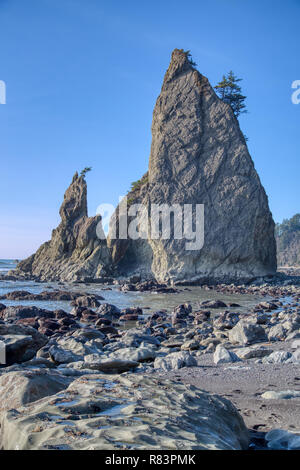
(109, 364)
(21, 342)
(277, 333)
(226, 320)
(256, 352)
(20, 388)
(19, 312)
(198, 156)
(87, 301)
(135, 336)
(247, 332)
(280, 439)
(175, 361)
(70, 349)
(109, 311)
(278, 357)
(144, 353)
(77, 249)
(223, 355)
(130, 411)
(45, 295)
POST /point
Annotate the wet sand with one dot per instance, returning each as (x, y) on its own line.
(243, 384)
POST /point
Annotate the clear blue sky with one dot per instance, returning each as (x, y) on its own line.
(82, 78)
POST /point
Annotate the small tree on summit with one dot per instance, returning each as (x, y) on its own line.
(85, 171)
(189, 57)
(230, 92)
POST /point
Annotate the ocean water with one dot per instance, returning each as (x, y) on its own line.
(7, 264)
(148, 301)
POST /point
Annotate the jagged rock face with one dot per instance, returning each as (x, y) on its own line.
(199, 156)
(74, 251)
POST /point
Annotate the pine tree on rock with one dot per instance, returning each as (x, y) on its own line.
(229, 91)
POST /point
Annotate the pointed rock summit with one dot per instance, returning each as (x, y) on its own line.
(74, 251)
(199, 156)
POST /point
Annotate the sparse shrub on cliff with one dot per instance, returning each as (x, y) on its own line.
(85, 171)
(137, 184)
(189, 57)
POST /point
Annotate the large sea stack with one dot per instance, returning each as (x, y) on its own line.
(199, 156)
(74, 251)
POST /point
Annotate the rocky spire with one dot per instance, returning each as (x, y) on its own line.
(74, 252)
(180, 63)
(74, 205)
(199, 156)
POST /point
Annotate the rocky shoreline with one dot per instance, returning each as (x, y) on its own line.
(83, 379)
